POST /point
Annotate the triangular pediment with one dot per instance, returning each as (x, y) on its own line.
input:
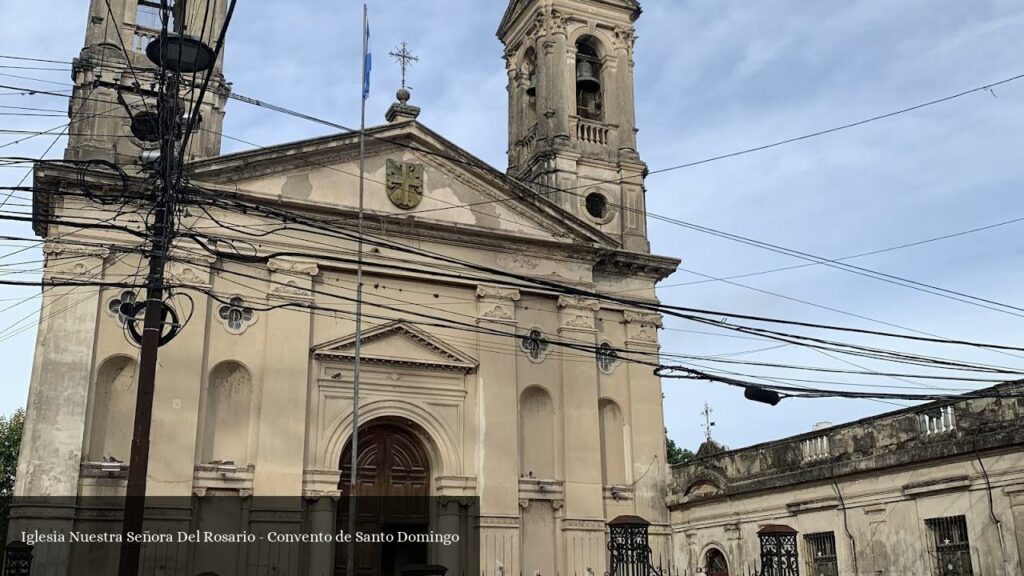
(450, 187)
(398, 343)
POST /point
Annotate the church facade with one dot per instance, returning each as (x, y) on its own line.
(514, 394)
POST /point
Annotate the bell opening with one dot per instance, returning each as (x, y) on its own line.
(589, 98)
(531, 88)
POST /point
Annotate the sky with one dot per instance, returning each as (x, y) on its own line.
(712, 78)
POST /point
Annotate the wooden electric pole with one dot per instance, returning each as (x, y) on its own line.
(161, 235)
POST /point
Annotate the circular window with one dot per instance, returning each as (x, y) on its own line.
(597, 205)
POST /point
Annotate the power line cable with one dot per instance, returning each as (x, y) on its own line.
(674, 310)
(927, 288)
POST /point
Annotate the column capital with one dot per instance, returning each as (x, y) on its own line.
(642, 326)
(577, 313)
(293, 267)
(70, 262)
(189, 268)
(61, 249)
(291, 280)
(579, 302)
(489, 292)
(316, 495)
(497, 303)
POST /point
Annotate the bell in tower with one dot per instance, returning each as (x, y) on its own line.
(531, 88)
(588, 82)
(585, 78)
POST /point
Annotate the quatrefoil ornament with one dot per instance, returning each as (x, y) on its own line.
(122, 306)
(535, 345)
(607, 358)
(236, 316)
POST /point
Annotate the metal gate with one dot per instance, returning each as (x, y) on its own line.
(17, 559)
(629, 548)
(778, 551)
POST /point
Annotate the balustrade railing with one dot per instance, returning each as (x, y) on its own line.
(815, 449)
(938, 421)
(142, 37)
(592, 132)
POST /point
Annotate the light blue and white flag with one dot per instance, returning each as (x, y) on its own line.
(367, 57)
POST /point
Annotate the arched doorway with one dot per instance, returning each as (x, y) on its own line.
(393, 486)
(715, 563)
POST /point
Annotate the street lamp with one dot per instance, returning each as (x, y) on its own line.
(180, 53)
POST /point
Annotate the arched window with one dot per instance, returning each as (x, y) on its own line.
(589, 93)
(226, 424)
(537, 434)
(613, 445)
(113, 410)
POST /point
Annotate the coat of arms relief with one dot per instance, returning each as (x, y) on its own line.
(405, 183)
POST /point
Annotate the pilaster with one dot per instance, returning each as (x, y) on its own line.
(498, 444)
(646, 414)
(282, 424)
(634, 203)
(51, 447)
(323, 513)
(563, 76)
(1015, 495)
(583, 524)
(179, 381)
(625, 116)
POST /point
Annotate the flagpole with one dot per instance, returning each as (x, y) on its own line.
(353, 476)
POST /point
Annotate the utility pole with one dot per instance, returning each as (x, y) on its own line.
(161, 234)
(173, 54)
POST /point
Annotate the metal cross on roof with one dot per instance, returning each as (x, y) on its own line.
(404, 58)
(708, 424)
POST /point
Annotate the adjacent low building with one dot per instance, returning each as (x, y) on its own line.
(935, 489)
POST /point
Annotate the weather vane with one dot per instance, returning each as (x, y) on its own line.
(708, 424)
(404, 58)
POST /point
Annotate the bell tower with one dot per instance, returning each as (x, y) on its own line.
(572, 120)
(116, 83)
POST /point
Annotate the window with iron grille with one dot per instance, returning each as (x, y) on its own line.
(950, 546)
(821, 554)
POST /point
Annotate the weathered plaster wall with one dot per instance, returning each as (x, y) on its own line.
(874, 487)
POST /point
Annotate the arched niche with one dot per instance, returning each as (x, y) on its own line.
(715, 562)
(537, 433)
(613, 444)
(705, 482)
(703, 488)
(113, 410)
(226, 422)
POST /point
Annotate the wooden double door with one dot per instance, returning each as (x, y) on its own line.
(392, 489)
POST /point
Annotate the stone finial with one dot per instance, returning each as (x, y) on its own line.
(401, 111)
